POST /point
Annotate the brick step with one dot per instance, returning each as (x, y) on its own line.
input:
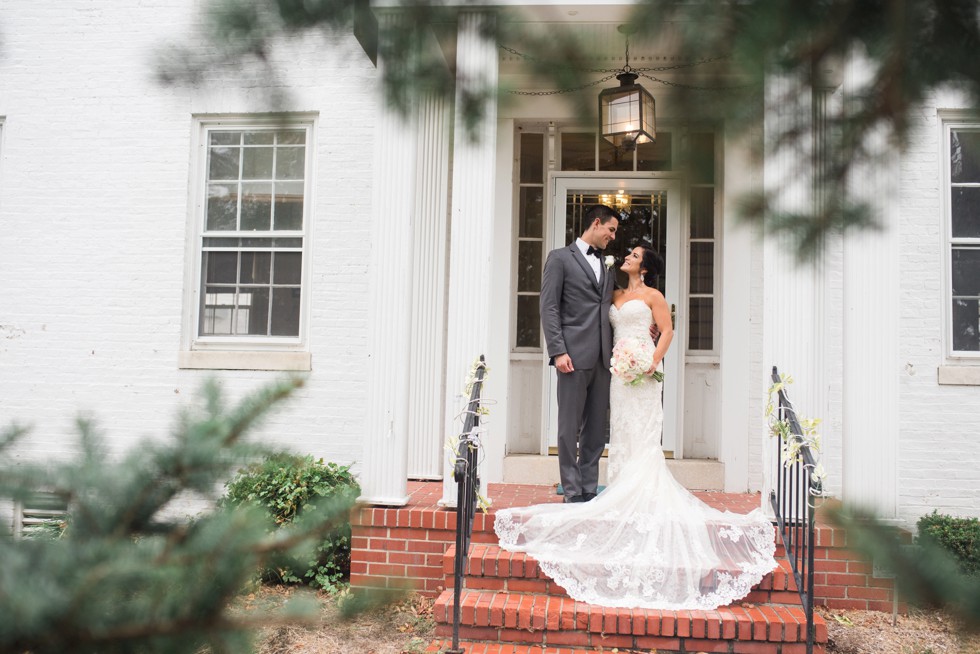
(548, 621)
(498, 648)
(491, 568)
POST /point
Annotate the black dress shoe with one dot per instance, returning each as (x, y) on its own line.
(588, 497)
(574, 499)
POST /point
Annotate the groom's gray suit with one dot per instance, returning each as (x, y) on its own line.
(575, 318)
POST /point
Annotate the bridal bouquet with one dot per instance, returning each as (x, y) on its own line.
(631, 358)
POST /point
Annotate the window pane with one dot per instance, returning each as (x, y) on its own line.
(226, 138)
(964, 156)
(702, 267)
(701, 324)
(702, 212)
(577, 151)
(256, 206)
(290, 163)
(220, 267)
(613, 158)
(702, 158)
(528, 321)
(223, 163)
(216, 312)
(288, 268)
(253, 312)
(264, 137)
(257, 163)
(222, 207)
(292, 136)
(966, 271)
(655, 156)
(966, 212)
(532, 212)
(532, 158)
(285, 311)
(966, 325)
(289, 205)
(256, 267)
(529, 266)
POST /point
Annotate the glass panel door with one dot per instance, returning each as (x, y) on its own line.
(651, 218)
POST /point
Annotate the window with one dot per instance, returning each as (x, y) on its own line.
(963, 238)
(251, 244)
(701, 296)
(530, 239)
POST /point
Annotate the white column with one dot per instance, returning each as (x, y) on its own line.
(871, 344)
(384, 472)
(472, 214)
(428, 356)
(794, 293)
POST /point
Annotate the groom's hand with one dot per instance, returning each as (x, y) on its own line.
(563, 363)
(654, 332)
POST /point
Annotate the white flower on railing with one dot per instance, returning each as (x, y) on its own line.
(792, 445)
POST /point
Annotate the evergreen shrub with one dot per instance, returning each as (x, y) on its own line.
(285, 485)
(959, 536)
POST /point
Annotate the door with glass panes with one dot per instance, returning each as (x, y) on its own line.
(650, 216)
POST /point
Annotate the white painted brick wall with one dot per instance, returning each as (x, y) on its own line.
(94, 174)
(939, 443)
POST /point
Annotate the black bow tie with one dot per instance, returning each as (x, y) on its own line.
(595, 251)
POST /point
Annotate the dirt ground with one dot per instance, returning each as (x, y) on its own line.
(919, 632)
(407, 628)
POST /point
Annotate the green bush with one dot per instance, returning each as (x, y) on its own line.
(285, 485)
(960, 536)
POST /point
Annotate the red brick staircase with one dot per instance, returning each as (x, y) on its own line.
(509, 602)
(509, 607)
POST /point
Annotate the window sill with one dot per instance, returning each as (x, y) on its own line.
(244, 360)
(959, 375)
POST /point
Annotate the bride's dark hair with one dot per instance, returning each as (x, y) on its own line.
(653, 264)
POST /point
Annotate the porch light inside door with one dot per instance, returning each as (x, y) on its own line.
(627, 112)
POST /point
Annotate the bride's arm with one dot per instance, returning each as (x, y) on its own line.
(661, 316)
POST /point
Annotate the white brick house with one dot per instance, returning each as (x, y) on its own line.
(145, 232)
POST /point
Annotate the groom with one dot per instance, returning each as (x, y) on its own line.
(576, 290)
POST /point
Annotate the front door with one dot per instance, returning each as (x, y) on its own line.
(650, 210)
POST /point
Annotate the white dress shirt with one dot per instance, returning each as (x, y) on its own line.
(593, 259)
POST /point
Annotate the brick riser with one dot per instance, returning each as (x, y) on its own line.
(508, 600)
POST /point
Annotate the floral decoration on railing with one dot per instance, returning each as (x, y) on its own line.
(792, 444)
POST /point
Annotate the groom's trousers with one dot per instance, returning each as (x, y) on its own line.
(583, 404)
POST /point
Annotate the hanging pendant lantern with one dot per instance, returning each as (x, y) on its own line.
(627, 113)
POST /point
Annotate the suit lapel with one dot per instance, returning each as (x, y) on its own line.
(583, 262)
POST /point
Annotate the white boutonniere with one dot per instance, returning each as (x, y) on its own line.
(610, 260)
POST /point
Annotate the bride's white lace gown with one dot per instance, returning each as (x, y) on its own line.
(645, 541)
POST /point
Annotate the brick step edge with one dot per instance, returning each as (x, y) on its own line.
(494, 562)
(474, 647)
(518, 617)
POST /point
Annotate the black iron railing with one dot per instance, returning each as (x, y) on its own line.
(792, 500)
(468, 484)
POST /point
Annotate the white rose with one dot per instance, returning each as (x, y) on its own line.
(610, 260)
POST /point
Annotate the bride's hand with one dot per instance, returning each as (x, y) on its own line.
(653, 368)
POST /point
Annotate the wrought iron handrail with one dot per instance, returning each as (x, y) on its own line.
(791, 502)
(467, 484)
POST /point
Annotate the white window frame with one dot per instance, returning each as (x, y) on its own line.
(243, 352)
(949, 124)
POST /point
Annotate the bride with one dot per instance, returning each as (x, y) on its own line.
(645, 541)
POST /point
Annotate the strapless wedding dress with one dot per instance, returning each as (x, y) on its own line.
(645, 541)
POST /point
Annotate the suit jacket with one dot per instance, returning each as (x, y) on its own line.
(575, 308)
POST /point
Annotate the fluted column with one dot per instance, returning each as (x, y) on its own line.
(794, 293)
(871, 342)
(383, 476)
(428, 356)
(472, 211)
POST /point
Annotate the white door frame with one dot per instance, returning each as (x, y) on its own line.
(560, 185)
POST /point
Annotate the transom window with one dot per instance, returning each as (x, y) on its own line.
(253, 234)
(963, 220)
